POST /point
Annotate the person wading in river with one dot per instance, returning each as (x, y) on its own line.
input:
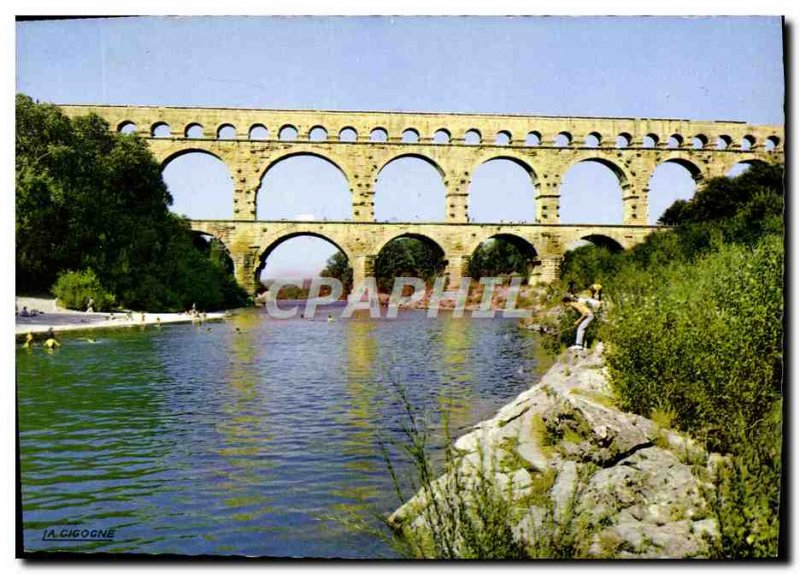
(582, 322)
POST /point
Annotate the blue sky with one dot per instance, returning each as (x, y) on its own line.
(693, 68)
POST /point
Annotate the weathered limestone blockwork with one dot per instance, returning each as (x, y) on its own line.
(249, 239)
(250, 242)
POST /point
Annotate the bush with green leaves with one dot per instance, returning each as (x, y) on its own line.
(704, 340)
(74, 289)
(89, 198)
(696, 330)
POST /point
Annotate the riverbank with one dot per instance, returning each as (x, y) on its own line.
(569, 469)
(64, 320)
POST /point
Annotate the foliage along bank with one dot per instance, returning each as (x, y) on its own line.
(92, 212)
(694, 337)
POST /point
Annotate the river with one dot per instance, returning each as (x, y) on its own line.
(253, 437)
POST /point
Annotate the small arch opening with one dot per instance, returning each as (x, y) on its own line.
(593, 140)
(699, 141)
(563, 139)
(318, 134)
(503, 138)
(287, 133)
(226, 132)
(472, 137)
(258, 132)
(772, 143)
(748, 142)
(624, 140)
(194, 131)
(379, 135)
(410, 135)
(161, 130)
(723, 142)
(441, 136)
(533, 138)
(675, 141)
(348, 135)
(127, 128)
(650, 141)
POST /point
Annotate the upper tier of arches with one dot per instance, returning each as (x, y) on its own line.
(436, 128)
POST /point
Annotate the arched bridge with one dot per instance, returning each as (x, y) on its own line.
(360, 144)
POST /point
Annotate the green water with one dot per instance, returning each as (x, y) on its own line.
(262, 442)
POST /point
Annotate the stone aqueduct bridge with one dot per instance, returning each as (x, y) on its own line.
(360, 144)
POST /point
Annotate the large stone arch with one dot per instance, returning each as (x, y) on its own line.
(481, 198)
(167, 157)
(601, 240)
(221, 238)
(621, 173)
(520, 159)
(200, 181)
(270, 242)
(749, 162)
(415, 155)
(509, 235)
(692, 167)
(418, 234)
(388, 200)
(523, 244)
(275, 160)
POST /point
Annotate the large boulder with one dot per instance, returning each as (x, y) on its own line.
(573, 467)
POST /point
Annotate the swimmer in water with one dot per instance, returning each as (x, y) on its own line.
(51, 344)
(29, 342)
(330, 318)
(158, 321)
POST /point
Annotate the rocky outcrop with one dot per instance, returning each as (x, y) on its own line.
(569, 459)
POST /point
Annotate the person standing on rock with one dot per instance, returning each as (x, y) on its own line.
(582, 322)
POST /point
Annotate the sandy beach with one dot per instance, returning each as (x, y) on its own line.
(64, 320)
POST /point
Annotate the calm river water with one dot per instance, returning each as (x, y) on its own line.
(263, 442)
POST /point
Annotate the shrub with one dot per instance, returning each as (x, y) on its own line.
(74, 289)
(704, 341)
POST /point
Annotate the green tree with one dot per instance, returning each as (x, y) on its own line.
(496, 257)
(407, 257)
(90, 198)
(339, 268)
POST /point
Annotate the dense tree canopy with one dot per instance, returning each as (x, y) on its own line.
(496, 257)
(407, 257)
(88, 198)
